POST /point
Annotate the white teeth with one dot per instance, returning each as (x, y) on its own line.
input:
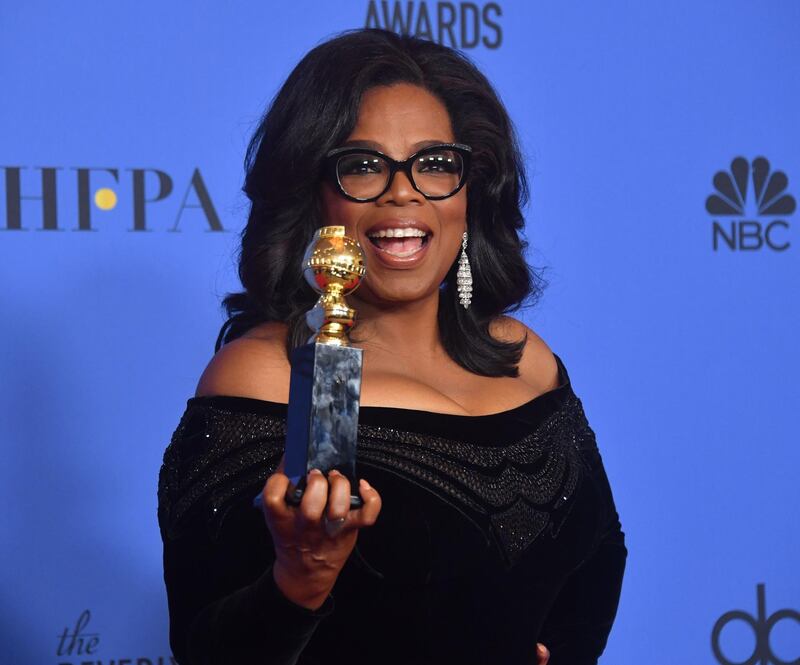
(407, 232)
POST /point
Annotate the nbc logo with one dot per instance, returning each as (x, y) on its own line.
(755, 201)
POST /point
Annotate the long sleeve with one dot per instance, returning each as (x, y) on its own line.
(255, 623)
(577, 627)
(224, 605)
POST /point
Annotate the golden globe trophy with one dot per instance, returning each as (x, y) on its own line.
(325, 385)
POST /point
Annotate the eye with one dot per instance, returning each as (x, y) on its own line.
(355, 165)
(439, 162)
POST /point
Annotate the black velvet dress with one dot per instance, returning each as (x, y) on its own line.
(496, 532)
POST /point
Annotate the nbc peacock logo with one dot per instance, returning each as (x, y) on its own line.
(755, 203)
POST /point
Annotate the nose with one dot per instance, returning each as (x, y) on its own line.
(400, 192)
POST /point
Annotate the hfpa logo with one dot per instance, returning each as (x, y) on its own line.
(768, 203)
(141, 187)
(762, 626)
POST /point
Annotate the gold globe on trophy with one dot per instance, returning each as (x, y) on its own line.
(334, 266)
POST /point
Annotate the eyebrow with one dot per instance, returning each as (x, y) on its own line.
(377, 146)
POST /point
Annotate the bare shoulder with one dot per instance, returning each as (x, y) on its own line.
(254, 365)
(537, 366)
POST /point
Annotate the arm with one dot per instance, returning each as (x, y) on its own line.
(254, 623)
(224, 605)
(580, 620)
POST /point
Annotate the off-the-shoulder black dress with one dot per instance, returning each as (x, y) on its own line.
(496, 532)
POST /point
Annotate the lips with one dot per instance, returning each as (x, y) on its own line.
(399, 243)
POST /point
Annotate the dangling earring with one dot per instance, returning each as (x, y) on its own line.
(464, 275)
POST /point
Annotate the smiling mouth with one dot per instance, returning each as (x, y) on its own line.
(401, 246)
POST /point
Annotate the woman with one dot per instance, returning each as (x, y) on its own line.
(488, 524)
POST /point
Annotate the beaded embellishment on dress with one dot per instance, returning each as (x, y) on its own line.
(514, 492)
(214, 455)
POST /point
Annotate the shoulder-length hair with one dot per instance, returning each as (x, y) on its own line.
(315, 110)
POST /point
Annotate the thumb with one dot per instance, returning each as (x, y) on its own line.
(542, 654)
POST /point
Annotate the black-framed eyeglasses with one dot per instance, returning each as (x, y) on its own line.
(363, 175)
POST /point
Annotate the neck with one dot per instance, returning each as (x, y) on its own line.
(408, 329)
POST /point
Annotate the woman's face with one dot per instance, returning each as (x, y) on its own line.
(398, 120)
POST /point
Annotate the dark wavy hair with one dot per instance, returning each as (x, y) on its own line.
(314, 111)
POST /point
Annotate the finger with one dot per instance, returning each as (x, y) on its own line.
(273, 496)
(368, 513)
(314, 498)
(542, 654)
(338, 495)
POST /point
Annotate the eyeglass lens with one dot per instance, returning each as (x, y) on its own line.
(364, 176)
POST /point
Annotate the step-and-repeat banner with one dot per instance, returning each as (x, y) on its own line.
(663, 146)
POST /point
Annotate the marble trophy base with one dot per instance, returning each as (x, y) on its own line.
(322, 421)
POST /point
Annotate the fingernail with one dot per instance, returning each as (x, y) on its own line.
(334, 472)
(315, 472)
(366, 484)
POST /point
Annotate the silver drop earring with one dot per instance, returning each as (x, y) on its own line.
(464, 275)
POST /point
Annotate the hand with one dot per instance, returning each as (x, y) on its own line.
(542, 654)
(309, 556)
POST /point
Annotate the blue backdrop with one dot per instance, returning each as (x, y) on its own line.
(123, 128)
